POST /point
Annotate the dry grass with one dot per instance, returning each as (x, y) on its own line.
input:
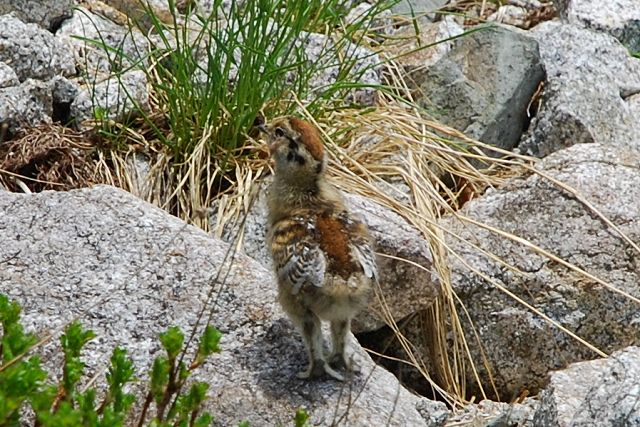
(477, 11)
(52, 157)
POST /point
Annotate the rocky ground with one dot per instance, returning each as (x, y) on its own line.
(556, 80)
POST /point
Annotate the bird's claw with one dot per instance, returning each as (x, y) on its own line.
(318, 369)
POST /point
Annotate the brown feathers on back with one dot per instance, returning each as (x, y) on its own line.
(309, 136)
(334, 241)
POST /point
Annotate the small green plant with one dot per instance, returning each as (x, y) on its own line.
(301, 419)
(23, 381)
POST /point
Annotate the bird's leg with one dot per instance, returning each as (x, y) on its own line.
(339, 331)
(312, 335)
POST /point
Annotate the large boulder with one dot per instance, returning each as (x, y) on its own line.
(587, 95)
(128, 270)
(405, 278)
(519, 345)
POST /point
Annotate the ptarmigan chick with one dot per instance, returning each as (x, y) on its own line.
(321, 253)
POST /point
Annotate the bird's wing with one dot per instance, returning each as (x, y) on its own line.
(360, 244)
(365, 256)
(298, 259)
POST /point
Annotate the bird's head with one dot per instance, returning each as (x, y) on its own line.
(296, 148)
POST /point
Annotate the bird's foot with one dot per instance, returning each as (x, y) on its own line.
(339, 361)
(319, 368)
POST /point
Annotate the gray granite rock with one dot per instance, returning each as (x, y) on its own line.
(520, 346)
(458, 91)
(360, 13)
(586, 95)
(415, 52)
(362, 65)
(602, 392)
(31, 51)
(116, 98)
(85, 36)
(620, 18)
(8, 77)
(417, 7)
(130, 270)
(488, 413)
(46, 13)
(407, 287)
(26, 105)
(64, 92)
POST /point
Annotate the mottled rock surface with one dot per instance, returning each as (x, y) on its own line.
(602, 392)
(31, 51)
(85, 34)
(620, 18)
(587, 91)
(363, 65)
(417, 7)
(116, 97)
(131, 270)
(488, 413)
(26, 105)
(46, 13)
(415, 52)
(520, 346)
(8, 77)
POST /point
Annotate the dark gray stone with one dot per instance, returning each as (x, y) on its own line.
(484, 85)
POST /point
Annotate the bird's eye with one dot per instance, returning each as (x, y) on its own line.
(279, 132)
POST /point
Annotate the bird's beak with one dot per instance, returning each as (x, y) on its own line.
(262, 128)
(259, 123)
